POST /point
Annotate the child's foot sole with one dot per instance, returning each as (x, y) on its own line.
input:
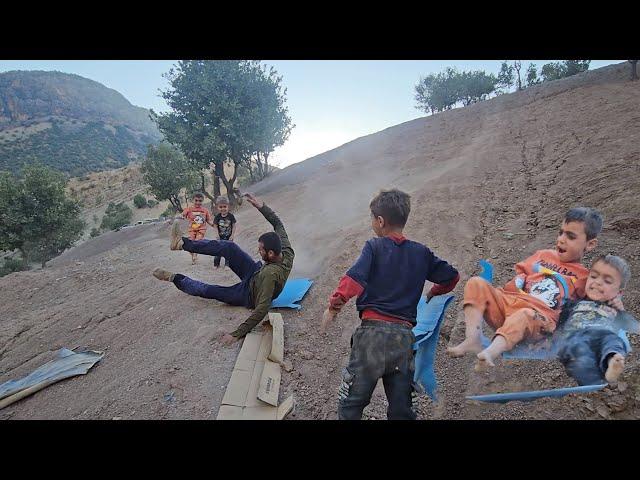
(164, 275)
(616, 365)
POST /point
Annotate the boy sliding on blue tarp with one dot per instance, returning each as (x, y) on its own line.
(260, 283)
(388, 280)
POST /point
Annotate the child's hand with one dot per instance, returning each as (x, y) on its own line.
(429, 296)
(616, 303)
(328, 317)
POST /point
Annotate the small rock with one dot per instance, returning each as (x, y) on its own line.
(287, 365)
(116, 418)
(622, 386)
(307, 355)
(603, 411)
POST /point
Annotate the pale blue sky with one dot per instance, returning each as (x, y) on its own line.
(330, 101)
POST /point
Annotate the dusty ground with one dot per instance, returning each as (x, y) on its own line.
(512, 165)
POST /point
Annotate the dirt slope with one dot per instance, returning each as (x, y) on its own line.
(511, 165)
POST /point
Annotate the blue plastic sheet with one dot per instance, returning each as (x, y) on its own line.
(294, 291)
(534, 395)
(429, 320)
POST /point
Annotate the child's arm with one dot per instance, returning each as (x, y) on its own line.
(444, 276)
(352, 284)
(233, 230)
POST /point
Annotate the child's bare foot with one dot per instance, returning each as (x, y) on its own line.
(164, 275)
(467, 346)
(484, 361)
(616, 365)
(176, 236)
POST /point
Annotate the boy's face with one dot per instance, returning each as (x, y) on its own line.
(197, 201)
(223, 208)
(572, 242)
(603, 283)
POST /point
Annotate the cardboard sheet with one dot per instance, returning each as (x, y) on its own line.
(254, 386)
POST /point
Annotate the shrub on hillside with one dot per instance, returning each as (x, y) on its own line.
(13, 265)
(116, 216)
(94, 232)
(139, 201)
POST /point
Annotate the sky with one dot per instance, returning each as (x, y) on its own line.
(331, 102)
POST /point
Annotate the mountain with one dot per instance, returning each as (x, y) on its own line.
(68, 122)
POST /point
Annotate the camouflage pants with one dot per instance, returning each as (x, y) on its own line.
(379, 350)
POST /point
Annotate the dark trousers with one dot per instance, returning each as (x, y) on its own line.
(585, 354)
(379, 350)
(216, 259)
(235, 258)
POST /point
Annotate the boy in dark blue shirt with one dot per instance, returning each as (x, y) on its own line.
(388, 280)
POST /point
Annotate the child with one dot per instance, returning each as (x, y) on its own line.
(529, 305)
(590, 348)
(260, 283)
(226, 224)
(198, 217)
(388, 280)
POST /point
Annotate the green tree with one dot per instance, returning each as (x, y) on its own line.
(139, 201)
(167, 171)
(36, 216)
(505, 78)
(532, 75)
(443, 91)
(566, 68)
(115, 216)
(224, 112)
(94, 232)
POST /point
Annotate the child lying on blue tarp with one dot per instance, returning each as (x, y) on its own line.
(590, 348)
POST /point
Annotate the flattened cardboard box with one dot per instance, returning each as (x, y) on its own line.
(252, 392)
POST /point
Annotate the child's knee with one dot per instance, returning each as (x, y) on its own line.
(476, 291)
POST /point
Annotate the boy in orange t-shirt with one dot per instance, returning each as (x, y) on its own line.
(198, 217)
(529, 305)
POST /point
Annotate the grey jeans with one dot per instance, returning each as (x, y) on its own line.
(585, 354)
(379, 350)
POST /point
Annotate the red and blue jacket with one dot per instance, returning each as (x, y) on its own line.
(389, 277)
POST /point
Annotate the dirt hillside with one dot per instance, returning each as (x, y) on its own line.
(492, 180)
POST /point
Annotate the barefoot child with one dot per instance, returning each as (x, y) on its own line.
(590, 348)
(198, 217)
(226, 224)
(529, 305)
(388, 280)
(259, 283)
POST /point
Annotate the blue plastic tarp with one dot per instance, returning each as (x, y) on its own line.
(429, 320)
(534, 394)
(294, 290)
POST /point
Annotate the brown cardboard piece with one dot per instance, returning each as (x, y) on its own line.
(252, 391)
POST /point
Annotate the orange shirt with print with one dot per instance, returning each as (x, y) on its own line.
(198, 218)
(545, 292)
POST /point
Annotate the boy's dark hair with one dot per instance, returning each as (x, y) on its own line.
(198, 195)
(591, 218)
(619, 264)
(392, 205)
(271, 241)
